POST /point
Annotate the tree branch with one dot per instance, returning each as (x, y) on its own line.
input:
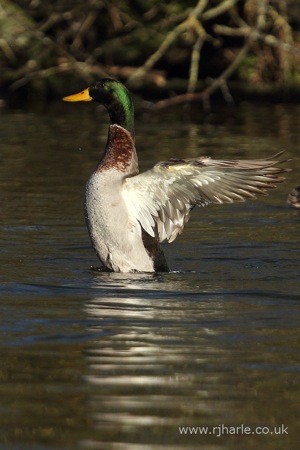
(171, 37)
(268, 39)
(216, 83)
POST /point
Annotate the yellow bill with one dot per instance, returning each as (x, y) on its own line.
(82, 96)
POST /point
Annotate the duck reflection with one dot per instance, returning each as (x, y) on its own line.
(166, 354)
(151, 368)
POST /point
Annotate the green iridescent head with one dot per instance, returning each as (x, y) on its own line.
(114, 96)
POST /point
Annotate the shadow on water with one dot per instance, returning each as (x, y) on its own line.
(111, 361)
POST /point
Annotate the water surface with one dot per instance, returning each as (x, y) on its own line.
(113, 361)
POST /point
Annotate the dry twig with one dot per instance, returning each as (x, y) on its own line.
(192, 21)
(251, 34)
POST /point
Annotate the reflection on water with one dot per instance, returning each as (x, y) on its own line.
(173, 359)
(110, 361)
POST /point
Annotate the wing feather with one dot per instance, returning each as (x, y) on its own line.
(161, 198)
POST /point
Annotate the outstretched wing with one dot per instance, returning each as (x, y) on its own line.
(164, 195)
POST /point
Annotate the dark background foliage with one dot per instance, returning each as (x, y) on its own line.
(172, 47)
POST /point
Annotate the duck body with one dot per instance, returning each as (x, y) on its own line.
(118, 239)
(129, 214)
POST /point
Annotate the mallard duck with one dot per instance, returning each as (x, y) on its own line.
(129, 214)
(294, 198)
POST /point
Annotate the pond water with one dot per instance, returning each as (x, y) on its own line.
(130, 362)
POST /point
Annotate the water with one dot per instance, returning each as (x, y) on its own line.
(124, 362)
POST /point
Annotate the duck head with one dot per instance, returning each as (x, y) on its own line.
(114, 96)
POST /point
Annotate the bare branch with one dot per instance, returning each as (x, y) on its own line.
(194, 67)
(169, 39)
(216, 84)
(218, 10)
(268, 39)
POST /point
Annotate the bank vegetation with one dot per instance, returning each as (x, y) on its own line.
(175, 51)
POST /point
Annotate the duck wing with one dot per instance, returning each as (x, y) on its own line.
(161, 198)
